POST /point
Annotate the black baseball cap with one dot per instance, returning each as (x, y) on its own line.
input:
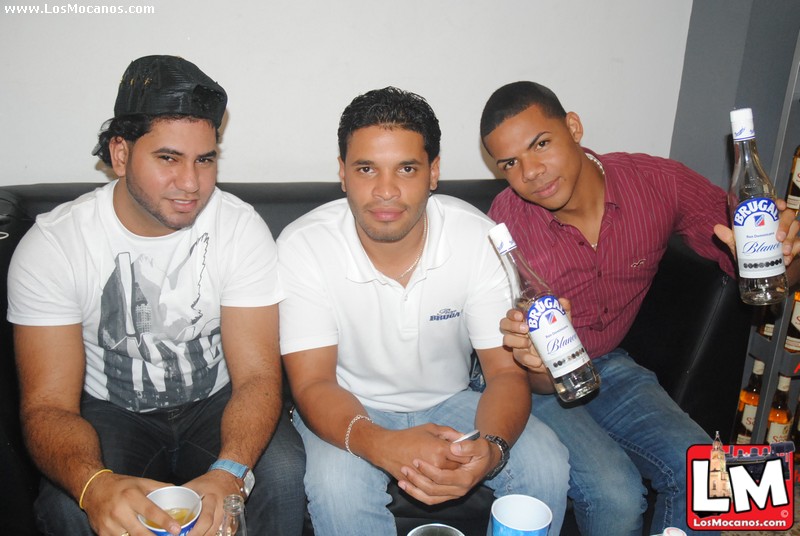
(169, 85)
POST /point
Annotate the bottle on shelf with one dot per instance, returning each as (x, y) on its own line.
(232, 517)
(748, 403)
(793, 191)
(754, 218)
(779, 423)
(766, 320)
(766, 323)
(793, 332)
(550, 330)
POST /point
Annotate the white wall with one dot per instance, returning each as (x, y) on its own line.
(291, 66)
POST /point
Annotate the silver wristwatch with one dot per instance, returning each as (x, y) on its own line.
(505, 451)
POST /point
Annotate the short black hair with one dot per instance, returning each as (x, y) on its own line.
(391, 106)
(132, 127)
(515, 98)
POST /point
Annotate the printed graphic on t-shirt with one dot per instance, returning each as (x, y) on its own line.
(158, 345)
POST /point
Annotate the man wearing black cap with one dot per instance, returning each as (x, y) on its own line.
(146, 329)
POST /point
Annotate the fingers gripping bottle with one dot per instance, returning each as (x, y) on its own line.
(754, 217)
(549, 329)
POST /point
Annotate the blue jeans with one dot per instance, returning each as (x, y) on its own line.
(348, 495)
(631, 430)
(177, 445)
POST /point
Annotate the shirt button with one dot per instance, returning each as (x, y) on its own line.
(605, 309)
(581, 243)
(599, 273)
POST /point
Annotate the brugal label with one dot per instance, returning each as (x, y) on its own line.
(554, 337)
(755, 223)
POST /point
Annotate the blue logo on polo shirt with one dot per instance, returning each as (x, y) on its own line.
(445, 314)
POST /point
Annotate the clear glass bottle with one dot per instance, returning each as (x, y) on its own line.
(550, 330)
(754, 218)
(233, 517)
(780, 415)
(748, 404)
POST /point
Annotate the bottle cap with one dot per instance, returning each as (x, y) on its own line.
(758, 367)
(501, 238)
(742, 124)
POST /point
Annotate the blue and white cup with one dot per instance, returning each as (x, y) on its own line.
(183, 502)
(435, 529)
(520, 515)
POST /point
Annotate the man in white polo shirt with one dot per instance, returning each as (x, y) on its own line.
(388, 292)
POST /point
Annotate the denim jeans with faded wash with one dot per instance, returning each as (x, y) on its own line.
(348, 495)
(631, 430)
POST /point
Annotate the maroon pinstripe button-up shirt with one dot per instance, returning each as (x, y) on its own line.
(647, 199)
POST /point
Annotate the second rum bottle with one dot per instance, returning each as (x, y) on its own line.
(780, 415)
(754, 218)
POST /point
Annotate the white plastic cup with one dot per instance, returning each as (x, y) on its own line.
(520, 515)
(175, 497)
(435, 529)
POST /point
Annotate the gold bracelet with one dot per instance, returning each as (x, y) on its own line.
(350, 429)
(101, 471)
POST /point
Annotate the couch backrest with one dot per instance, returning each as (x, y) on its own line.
(690, 322)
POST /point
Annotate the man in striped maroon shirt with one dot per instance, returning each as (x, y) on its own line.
(595, 228)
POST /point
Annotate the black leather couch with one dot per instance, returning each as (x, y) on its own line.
(692, 331)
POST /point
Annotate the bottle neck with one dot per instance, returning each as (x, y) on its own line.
(233, 505)
(746, 149)
(749, 178)
(524, 281)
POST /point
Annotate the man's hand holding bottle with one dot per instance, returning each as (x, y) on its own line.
(515, 337)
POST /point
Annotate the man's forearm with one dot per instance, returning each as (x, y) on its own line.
(64, 446)
(250, 419)
(504, 407)
(340, 406)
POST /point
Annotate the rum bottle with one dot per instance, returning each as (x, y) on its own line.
(754, 218)
(549, 329)
(748, 403)
(767, 317)
(779, 423)
(793, 332)
(793, 191)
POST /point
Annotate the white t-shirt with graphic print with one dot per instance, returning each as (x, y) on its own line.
(149, 306)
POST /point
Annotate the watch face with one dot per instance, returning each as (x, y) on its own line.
(249, 482)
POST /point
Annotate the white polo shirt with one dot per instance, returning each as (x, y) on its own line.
(399, 349)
